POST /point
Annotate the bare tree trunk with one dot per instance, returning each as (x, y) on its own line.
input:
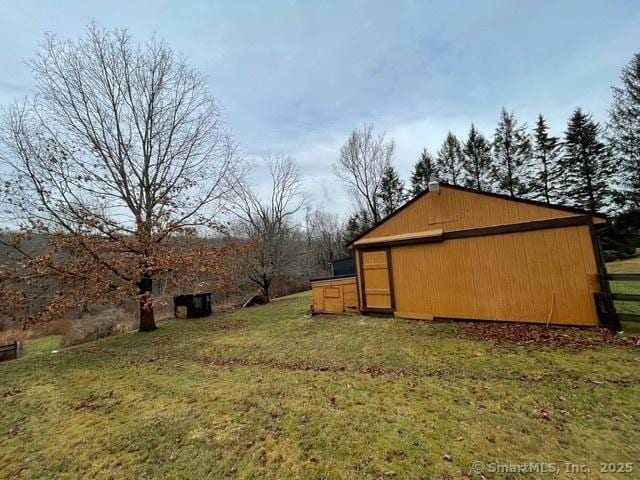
(264, 286)
(147, 320)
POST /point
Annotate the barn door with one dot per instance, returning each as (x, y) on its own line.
(376, 280)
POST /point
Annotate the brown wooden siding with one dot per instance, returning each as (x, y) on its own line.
(535, 276)
(335, 295)
(451, 209)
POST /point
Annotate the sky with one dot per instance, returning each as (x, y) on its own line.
(297, 77)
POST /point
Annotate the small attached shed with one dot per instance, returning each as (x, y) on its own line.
(458, 253)
(335, 294)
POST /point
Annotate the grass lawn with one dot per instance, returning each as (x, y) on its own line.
(273, 393)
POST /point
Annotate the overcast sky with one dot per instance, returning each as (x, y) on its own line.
(298, 76)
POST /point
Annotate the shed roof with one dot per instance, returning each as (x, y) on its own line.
(563, 208)
(399, 238)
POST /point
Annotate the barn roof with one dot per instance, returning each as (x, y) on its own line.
(501, 196)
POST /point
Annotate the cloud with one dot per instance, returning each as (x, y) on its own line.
(297, 77)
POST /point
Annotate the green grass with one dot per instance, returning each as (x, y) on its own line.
(631, 265)
(298, 403)
(41, 345)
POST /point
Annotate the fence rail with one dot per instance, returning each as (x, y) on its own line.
(624, 276)
(9, 352)
(625, 297)
(629, 317)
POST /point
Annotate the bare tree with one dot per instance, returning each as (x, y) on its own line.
(270, 224)
(120, 153)
(327, 239)
(364, 158)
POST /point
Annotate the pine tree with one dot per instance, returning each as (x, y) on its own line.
(512, 156)
(392, 194)
(357, 224)
(424, 170)
(450, 160)
(624, 130)
(586, 165)
(546, 151)
(476, 164)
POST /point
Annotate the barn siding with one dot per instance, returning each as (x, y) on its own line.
(452, 209)
(496, 258)
(536, 276)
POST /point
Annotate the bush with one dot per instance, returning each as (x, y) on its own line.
(622, 254)
(92, 326)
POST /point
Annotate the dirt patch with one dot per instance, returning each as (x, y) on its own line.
(94, 402)
(89, 403)
(372, 371)
(576, 339)
(11, 392)
(158, 358)
(229, 325)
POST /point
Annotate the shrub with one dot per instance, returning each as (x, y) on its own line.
(92, 326)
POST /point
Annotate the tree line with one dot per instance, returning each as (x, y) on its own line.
(591, 166)
(575, 170)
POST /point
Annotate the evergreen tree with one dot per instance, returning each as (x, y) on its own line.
(450, 160)
(476, 164)
(624, 130)
(586, 165)
(357, 224)
(546, 150)
(512, 155)
(392, 194)
(424, 170)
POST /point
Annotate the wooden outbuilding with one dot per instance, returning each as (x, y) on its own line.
(335, 294)
(457, 253)
(195, 304)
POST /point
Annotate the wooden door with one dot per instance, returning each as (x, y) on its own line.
(376, 280)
